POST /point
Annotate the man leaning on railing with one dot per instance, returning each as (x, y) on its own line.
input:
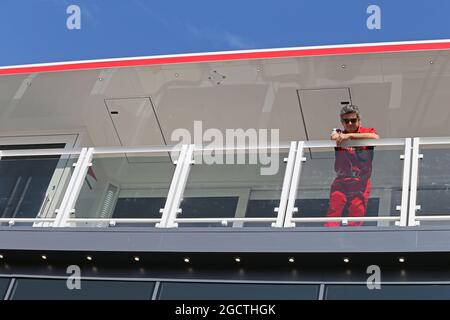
(353, 166)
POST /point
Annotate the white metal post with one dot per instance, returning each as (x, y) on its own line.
(286, 186)
(173, 187)
(405, 185)
(294, 184)
(69, 188)
(75, 184)
(413, 207)
(175, 209)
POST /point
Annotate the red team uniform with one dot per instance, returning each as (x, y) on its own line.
(353, 166)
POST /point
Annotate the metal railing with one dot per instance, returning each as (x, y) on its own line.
(47, 215)
(415, 219)
(400, 220)
(286, 214)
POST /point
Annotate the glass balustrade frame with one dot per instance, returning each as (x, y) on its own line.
(291, 179)
(414, 217)
(42, 221)
(400, 220)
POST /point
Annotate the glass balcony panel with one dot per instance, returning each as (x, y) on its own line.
(125, 186)
(236, 291)
(433, 185)
(32, 187)
(4, 284)
(57, 289)
(388, 292)
(228, 188)
(348, 187)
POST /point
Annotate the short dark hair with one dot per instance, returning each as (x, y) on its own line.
(350, 108)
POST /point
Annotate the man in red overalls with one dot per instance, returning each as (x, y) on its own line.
(353, 166)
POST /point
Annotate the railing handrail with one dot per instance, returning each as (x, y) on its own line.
(138, 149)
(177, 147)
(39, 152)
(433, 140)
(431, 217)
(12, 221)
(356, 143)
(326, 219)
(118, 220)
(209, 220)
(86, 161)
(283, 145)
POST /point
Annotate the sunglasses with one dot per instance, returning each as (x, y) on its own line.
(352, 120)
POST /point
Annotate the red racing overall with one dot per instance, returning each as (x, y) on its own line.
(353, 166)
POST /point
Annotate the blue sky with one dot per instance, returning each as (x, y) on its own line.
(34, 31)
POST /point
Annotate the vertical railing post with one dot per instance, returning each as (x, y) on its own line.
(299, 159)
(180, 186)
(413, 207)
(69, 188)
(281, 210)
(405, 184)
(73, 189)
(173, 187)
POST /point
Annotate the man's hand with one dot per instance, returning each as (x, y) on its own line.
(342, 137)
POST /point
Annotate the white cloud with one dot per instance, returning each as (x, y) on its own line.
(218, 38)
(237, 42)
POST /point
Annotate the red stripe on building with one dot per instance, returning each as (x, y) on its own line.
(228, 57)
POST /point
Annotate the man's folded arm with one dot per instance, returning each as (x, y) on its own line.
(369, 135)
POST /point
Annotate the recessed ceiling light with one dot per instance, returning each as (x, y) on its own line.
(346, 260)
(187, 260)
(431, 61)
(343, 66)
(100, 79)
(237, 259)
(291, 259)
(44, 257)
(401, 259)
(1, 256)
(177, 75)
(137, 258)
(89, 258)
